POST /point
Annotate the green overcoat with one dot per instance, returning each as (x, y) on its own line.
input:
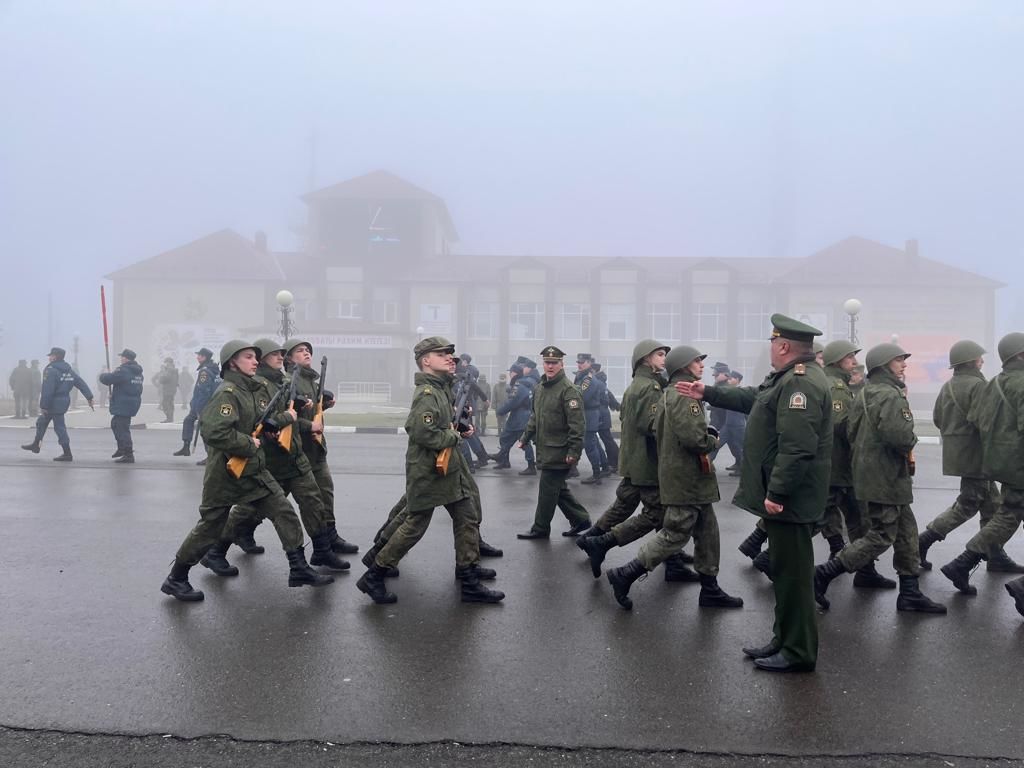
(881, 431)
(842, 451)
(961, 443)
(557, 423)
(638, 450)
(686, 474)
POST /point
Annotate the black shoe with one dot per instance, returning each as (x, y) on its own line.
(751, 546)
(577, 528)
(475, 592)
(593, 531)
(823, 575)
(713, 596)
(323, 555)
(622, 579)
(117, 454)
(532, 534)
(245, 541)
(486, 550)
(127, 458)
(463, 572)
(911, 598)
(66, 456)
(372, 584)
(497, 457)
(215, 559)
(924, 542)
(594, 479)
(779, 663)
(34, 447)
(300, 574)
(869, 578)
(183, 451)
(531, 469)
(761, 652)
(1016, 590)
(481, 463)
(596, 548)
(959, 571)
(676, 570)
(763, 563)
(340, 546)
(201, 463)
(685, 557)
(180, 589)
(1001, 562)
(503, 465)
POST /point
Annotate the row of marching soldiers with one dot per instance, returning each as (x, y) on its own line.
(263, 428)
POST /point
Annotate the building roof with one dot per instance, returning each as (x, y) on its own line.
(223, 255)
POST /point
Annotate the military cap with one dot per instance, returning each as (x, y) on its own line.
(129, 353)
(552, 353)
(22, 362)
(883, 354)
(432, 344)
(736, 375)
(596, 367)
(58, 352)
(207, 353)
(168, 359)
(526, 361)
(788, 328)
(1011, 345)
(721, 367)
(232, 348)
(964, 351)
(584, 357)
(680, 357)
(293, 343)
(268, 345)
(838, 349)
(818, 348)
(516, 368)
(466, 357)
(645, 347)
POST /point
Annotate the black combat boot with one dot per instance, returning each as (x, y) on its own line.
(763, 563)
(324, 555)
(339, 545)
(713, 596)
(751, 546)
(463, 572)
(677, 570)
(300, 574)
(33, 446)
(911, 598)
(503, 464)
(245, 540)
(622, 578)
(201, 462)
(475, 592)
(215, 559)
(835, 545)
(596, 548)
(577, 528)
(868, 577)
(176, 585)
(823, 575)
(117, 454)
(531, 468)
(371, 555)
(128, 457)
(372, 584)
(1016, 590)
(489, 550)
(924, 542)
(1000, 562)
(594, 479)
(593, 531)
(183, 451)
(65, 456)
(959, 570)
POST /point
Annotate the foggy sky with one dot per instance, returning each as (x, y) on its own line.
(550, 128)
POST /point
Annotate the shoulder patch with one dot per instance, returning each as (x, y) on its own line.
(837, 405)
(426, 390)
(654, 407)
(586, 384)
(428, 418)
(263, 403)
(798, 401)
(657, 387)
(799, 369)
(907, 414)
(695, 409)
(574, 403)
(840, 384)
(226, 409)
(228, 388)
(203, 376)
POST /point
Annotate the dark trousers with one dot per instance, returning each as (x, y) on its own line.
(167, 406)
(611, 448)
(20, 405)
(553, 492)
(58, 426)
(508, 439)
(592, 447)
(121, 427)
(324, 481)
(465, 529)
(188, 427)
(792, 563)
(304, 489)
(476, 446)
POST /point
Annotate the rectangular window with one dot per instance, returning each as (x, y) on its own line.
(665, 321)
(385, 312)
(526, 320)
(347, 310)
(709, 322)
(572, 322)
(618, 322)
(483, 320)
(620, 374)
(754, 321)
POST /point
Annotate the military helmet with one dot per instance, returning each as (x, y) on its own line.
(838, 349)
(293, 343)
(232, 348)
(883, 354)
(964, 351)
(268, 345)
(1010, 345)
(680, 357)
(646, 347)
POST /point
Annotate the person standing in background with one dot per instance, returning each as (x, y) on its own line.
(166, 381)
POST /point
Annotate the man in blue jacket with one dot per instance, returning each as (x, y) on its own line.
(125, 399)
(59, 378)
(516, 410)
(207, 379)
(593, 390)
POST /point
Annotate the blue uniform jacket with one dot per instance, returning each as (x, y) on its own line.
(59, 378)
(518, 405)
(126, 395)
(594, 391)
(207, 380)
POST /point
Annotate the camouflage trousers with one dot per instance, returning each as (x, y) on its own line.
(619, 518)
(842, 507)
(213, 523)
(322, 475)
(465, 528)
(303, 489)
(976, 495)
(679, 524)
(890, 525)
(1004, 523)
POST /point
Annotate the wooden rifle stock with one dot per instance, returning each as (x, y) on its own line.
(318, 414)
(236, 464)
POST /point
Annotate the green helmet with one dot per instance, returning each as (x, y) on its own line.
(293, 343)
(680, 357)
(883, 354)
(266, 346)
(644, 348)
(837, 350)
(232, 348)
(1010, 345)
(964, 351)
(817, 348)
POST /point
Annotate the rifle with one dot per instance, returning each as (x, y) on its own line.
(236, 464)
(461, 421)
(284, 436)
(318, 414)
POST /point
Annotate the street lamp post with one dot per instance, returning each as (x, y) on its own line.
(74, 352)
(285, 305)
(852, 308)
(420, 330)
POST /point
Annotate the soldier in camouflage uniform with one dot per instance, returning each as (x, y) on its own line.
(961, 455)
(997, 411)
(687, 487)
(314, 441)
(227, 424)
(638, 465)
(431, 483)
(558, 425)
(881, 430)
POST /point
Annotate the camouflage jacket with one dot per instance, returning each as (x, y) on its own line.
(842, 451)
(305, 387)
(998, 413)
(283, 465)
(961, 443)
(638, 451)
(685, 474)
(881, 430)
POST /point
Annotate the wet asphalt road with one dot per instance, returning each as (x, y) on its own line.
(88, 643)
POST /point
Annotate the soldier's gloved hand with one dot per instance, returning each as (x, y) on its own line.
(328, 399)
(300, 404)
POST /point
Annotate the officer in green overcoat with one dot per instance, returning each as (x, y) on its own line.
(881, 430)
(227, 424)
(557, 424)
(784, 480)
